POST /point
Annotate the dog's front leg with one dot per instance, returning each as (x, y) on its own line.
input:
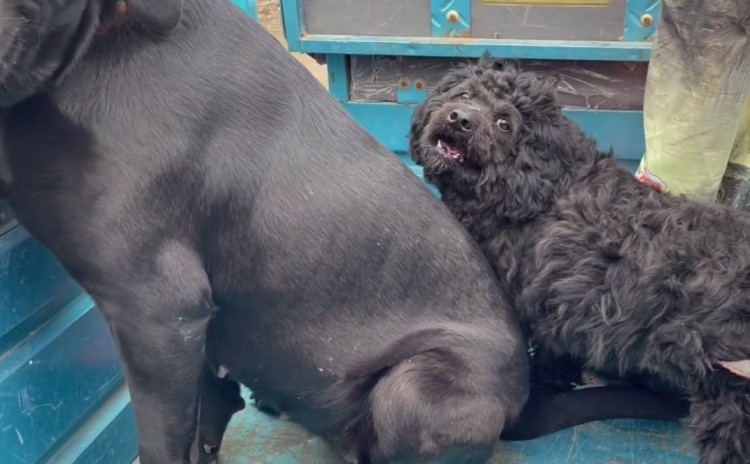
(219, 399)
(720, 418)
(159, 322)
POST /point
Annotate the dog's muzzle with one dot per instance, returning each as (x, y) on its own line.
(453, 127)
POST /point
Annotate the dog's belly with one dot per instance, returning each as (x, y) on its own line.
(275, 367)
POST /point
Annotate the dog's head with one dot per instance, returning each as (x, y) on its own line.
(493, 132)
(41, 39)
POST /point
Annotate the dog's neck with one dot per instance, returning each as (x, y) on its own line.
(479, 215)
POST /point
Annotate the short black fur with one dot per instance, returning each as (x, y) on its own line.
(624, 280)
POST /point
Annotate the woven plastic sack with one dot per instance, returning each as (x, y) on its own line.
(697, 84)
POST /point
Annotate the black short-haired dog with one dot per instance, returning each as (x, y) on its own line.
(623, 279)
(234, 224)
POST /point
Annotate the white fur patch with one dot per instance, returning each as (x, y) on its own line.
(222, 372)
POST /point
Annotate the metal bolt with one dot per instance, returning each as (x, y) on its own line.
(647, 20)
(403, 83)
(452, 16)
(419, 85)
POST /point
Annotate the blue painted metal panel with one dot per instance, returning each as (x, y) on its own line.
(634, 47)
(109, 436)
(57, 359)
(338, 77)
(32, 286)
(641, 19)
(411, 92)
(291, 18)
(389, 122)
(53, 381)
(472, 48)
(450, 18)
(248, 6)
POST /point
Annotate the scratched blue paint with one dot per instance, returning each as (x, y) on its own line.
(108, 436)
(57, 361)
(442, 26)
(53, 380)
(634, 27)
(32, 286)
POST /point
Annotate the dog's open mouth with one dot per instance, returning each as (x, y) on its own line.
(450, 149)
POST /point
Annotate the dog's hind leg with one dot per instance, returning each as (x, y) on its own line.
(422, 404)
(219, 399)
(720, 419)
(546, 413)
(159, 320)
(443, 390)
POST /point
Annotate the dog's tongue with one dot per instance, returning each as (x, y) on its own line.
(450, 150)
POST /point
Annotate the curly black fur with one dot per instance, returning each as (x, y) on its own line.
(628, 281)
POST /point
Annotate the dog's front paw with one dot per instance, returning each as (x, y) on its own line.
(209, 454)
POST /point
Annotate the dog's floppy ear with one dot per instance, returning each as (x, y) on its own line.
(486, 61)
(157, 16)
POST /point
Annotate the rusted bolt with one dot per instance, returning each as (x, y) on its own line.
(452, 16)
(647, 20)
(403, 83)
(419, 85)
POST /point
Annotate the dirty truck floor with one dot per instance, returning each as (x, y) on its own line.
(254, 438)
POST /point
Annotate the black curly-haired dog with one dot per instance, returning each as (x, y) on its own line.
(627, 281)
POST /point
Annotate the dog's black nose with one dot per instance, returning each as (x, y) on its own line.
(460, 120)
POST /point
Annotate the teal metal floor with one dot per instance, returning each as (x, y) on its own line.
(254, 438)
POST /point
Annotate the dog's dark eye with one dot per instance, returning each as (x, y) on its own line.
(503, 124)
